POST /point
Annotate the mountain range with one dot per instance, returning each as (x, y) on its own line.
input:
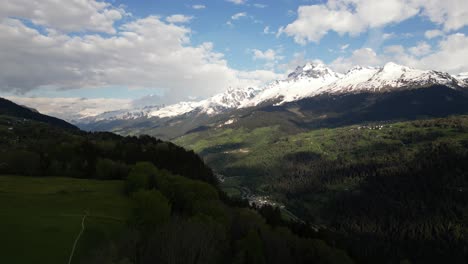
(310, 82)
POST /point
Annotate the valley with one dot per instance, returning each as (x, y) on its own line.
(234, 132)
(345, 159)
(343, 154)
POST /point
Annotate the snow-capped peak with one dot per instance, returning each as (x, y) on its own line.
(312, 70)
(305, 81)
(462, 78)
(301, 83)
(230, 99)
(390, 77)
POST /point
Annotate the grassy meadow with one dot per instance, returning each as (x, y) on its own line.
(41, 217)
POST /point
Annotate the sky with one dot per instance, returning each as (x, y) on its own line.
(83, 57)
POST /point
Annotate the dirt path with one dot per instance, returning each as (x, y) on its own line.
(78, 237)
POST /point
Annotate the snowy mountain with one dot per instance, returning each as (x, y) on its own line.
(119, 115)
(232, 98)
(463, 77)
(304, 82)
(301, 83)
(389, 78)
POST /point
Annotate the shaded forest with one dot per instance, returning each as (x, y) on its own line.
(179, 214)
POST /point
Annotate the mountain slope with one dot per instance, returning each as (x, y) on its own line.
(313, 84)
(402, 181)
(11, 109)
(231, 99)
(389, 78)
(301, 83)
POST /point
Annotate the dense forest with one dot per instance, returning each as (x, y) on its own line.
(178, 220)
(53, 151)
(386, 191)
(404, 196)
(179, 214)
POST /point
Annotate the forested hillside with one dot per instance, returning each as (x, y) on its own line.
(9, 108)
(52, 151)
(168, 209)
(385, 191)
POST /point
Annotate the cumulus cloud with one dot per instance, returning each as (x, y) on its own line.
(449, 57)
(421, 49)
(144, 53)
(268, 54)
(178, 18)
(66, 16)
(451, 14)
(345, 16)
(430, 34)
(356, 16)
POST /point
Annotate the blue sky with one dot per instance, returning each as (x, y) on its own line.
(186, 49)
(237, 41)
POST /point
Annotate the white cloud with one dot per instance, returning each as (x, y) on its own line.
(430, 34)
(237, 2)
(421, 49)
(365, 56)
(66, 16)
(238, 15)
(452, 14)
(269, 55)
(345, 16)
(267, 30)
(356, 16)
(146, 53)
(178, 18)
(387, 36)
(395, 49)
(449, 57)
(198, 7)
(344, 47)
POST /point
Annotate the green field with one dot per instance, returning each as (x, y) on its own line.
(41, 217)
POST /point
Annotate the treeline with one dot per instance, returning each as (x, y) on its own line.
(37, 149)
(404, 197)
(179, 220)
